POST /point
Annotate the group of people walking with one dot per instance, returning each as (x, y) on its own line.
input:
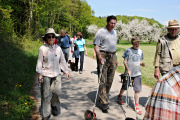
(52, 59)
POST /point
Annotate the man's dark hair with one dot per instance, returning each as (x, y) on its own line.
(111, 17)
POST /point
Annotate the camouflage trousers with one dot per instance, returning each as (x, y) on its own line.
(107, 76)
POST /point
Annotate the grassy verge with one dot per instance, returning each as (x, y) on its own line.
(17, 66)
(148, 51)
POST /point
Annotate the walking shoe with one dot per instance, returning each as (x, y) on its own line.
(46, 118)
(105, 108)
(54, 110)
(80, 72)
(119, 100)
(105, 111)
(138, 111)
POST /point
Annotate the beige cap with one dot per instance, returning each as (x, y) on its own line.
(135, 39)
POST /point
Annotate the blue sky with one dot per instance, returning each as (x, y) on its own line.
(160, 10)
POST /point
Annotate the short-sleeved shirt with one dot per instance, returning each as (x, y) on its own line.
(80, 43)
(64, 42)
(106, 40)
(134, 57)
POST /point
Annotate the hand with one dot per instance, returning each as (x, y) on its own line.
(101, 60)
(72, 51)
(129, 72)
(117, 64)
(156, 73)
(93, 56)
(142, 64)
(40, 78)
(86, 54)
(68, 76)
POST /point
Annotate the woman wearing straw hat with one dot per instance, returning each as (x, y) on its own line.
(167, 50)
(49, 64)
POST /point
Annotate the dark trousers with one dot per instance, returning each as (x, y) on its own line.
(81, 54)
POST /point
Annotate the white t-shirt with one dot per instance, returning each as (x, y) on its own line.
(134, 57)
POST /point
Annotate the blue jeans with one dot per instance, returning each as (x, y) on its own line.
(81, 54)
(66, 53)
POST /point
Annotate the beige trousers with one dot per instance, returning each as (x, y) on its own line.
(50, 85)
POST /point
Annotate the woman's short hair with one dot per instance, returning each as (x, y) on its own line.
(80, 34)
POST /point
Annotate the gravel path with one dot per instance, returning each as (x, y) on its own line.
(79, 92)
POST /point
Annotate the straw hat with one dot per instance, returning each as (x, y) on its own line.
(50, 31)
(173, 24)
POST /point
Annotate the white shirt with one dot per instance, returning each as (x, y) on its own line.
(50, 61)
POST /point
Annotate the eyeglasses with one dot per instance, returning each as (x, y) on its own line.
(49, 37)
(112, 23)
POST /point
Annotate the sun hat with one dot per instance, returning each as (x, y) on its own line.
(173, 24)
(135, 39)
(50, 31)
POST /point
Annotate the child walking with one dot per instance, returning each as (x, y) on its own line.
(132, 62)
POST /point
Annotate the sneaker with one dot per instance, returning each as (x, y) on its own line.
(105, 108)
(138, 111)
(80, 72)
(119, 100)
(105, 111)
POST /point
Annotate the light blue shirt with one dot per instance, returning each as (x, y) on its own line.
(80, 43)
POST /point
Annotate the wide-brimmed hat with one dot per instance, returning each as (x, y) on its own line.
(50, 31)
(135, 39)
(173, 24)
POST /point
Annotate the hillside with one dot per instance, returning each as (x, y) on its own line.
(101, 21)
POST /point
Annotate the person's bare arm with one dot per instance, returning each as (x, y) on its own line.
(125, 64)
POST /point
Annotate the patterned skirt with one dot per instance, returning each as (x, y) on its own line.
(164, 101)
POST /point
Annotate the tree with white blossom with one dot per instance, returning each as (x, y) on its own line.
(92, 29)
(143, 29)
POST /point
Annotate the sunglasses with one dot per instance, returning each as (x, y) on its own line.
(49, 37)
(173, 29)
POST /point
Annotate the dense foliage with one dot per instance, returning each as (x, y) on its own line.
(34, 16)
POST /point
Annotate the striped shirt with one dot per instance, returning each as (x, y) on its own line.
(164, 102)
(50, 61)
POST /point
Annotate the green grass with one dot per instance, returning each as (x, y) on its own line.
(148, 52)
(17, 64)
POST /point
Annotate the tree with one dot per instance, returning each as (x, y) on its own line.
(143, 29)
(92, 29)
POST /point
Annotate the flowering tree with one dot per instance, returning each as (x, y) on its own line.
(135, 27)
(143, 29)
(92, 29)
